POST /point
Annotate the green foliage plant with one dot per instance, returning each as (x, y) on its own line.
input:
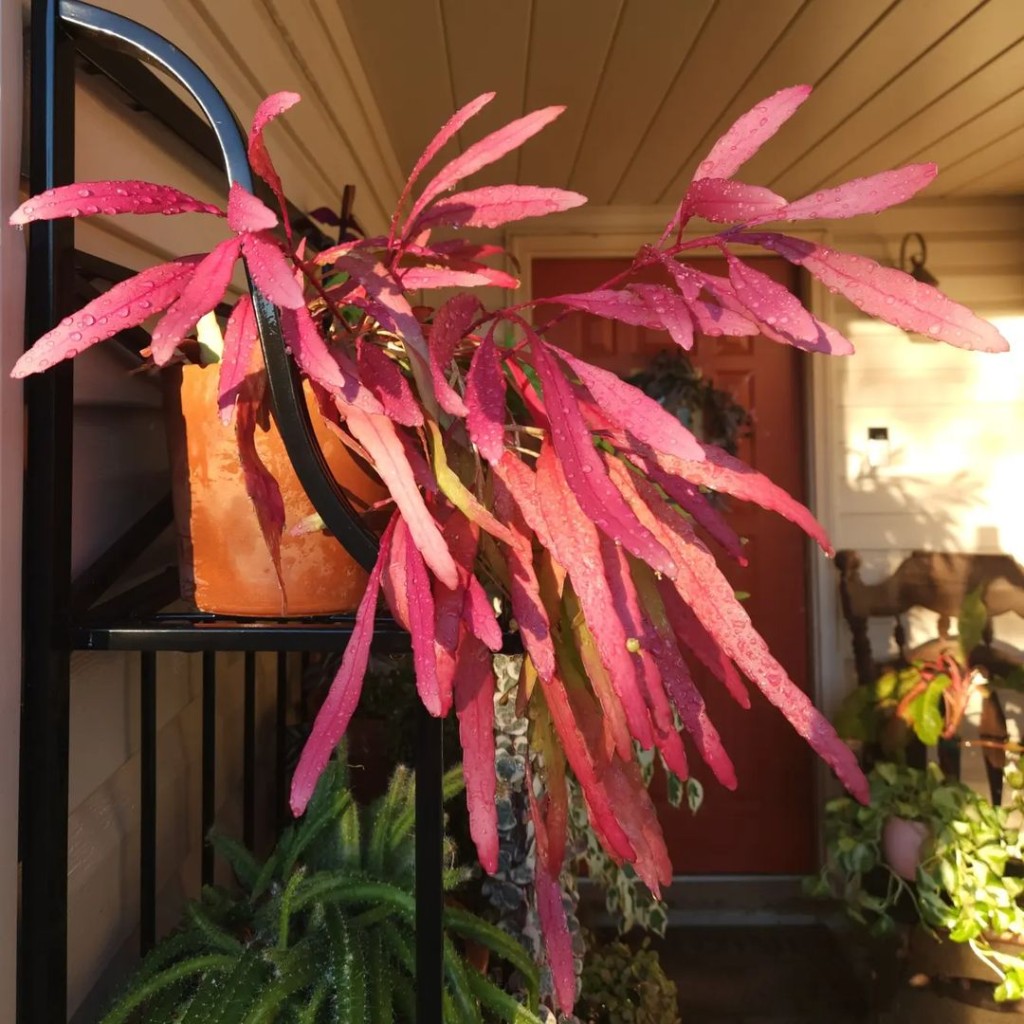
(968, 883)
(623, 985)
(323, 930)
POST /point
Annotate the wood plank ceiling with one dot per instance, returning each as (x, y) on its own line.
(650, 84)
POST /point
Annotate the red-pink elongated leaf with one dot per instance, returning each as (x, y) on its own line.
(333, 717)
(271, 271)
(441, 277)
(627, 604)
(448, 131)
(750, 132)
(329, 255)
(583, 468)
(495, 205)
(457, 255)
(259, 159)
(703, 587)
(780, 314)
(670, 309)
(480, 616)
(127, 304)
(394, 581)
(204, 290)
(673, 753)
(554, 926)
(726, 474)
(577, 547)
(474, 708)
(451, 322)
(732, 202)
(420, 604)
(612, 304)
(861, 195)
(524, 588)
(701, 644)
(378, 436)
(485, 400)
(461, 536)
(629, 796)
(320, 364)
(239, 343)
(247, 213)
(87, 198)
(260, 485)
(573, 719)
(629, 407)
(887, 293)
(712, 319)
(490, 148)
(383, 377)
(529, 394)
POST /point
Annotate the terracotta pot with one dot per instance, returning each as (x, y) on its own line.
(225, 565)
(901, 844)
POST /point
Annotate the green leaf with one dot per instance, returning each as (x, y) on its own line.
(138, 996)
(925, 711)
(500, 1002)
(694, 795)
(971, 622)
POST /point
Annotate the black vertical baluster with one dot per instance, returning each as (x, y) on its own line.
(42, 947)
(147, 805)
(209, 771)
(249, 753)
(429, 868)
(281, 740)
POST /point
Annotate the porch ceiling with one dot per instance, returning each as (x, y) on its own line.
(650, 84)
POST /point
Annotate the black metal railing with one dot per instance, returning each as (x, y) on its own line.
(62, 615)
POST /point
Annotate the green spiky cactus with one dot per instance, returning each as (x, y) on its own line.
(323, 930)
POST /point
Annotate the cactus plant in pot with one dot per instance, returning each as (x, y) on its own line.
(519, 477)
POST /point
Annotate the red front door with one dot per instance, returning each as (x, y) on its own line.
(768, 824)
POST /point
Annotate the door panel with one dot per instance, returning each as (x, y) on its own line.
(768, 824)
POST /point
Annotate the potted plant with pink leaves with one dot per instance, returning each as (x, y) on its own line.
(518, 477)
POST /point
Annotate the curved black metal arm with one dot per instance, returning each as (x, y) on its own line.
(286, 394)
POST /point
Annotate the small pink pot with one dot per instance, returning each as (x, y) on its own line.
(901, 844)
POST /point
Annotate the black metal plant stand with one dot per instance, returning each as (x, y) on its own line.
(62, 615)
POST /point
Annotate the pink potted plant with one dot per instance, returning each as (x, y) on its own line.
(518, 474)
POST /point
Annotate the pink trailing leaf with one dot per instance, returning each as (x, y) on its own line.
(259, 159)
(420, 611)
(554, 927)
(489, 149)
(780, 315)
(323, 365)
(451, 322)
(448, 132)
(202, 293)
(750, 132)
(461, 536)
(495, 205)
(383, 377)
(271, 271)
(485, 400)
(612, 304)
(127, 304)
(246, 213)
(726, 474)
(480, 616)
(670, 309)
(524, 588)
(696, 639)
(577, 547)
(584, 471)
(240, 339)
(378, 436)
(712, 318)
(474, 708)
(872, 194)
(415, 278)
(569, 716)
(731, 202)
(88, 198)
(702, 586)
(333, 717)
(887, 293)
(627, 406)
(260, 485)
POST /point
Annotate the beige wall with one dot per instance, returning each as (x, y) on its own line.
(11, 333)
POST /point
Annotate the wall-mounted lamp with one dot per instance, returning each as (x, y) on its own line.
(913, 260)
(878, 451)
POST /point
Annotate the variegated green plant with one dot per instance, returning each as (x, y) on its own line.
(323, 930)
